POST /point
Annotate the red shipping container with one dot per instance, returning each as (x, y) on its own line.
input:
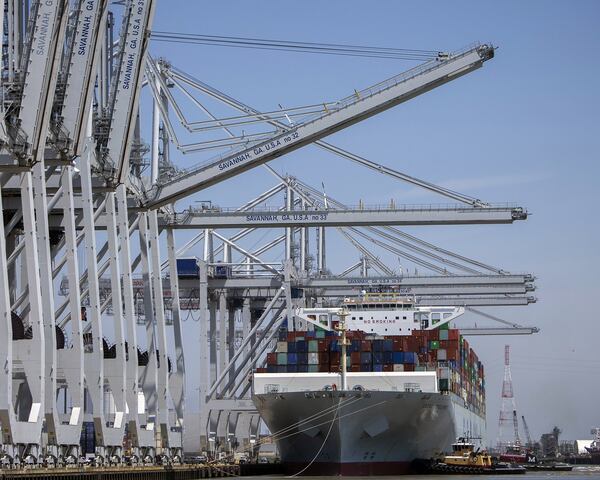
(365, 346)
(355, 368)
(323, 358)
(408, 367)
(388, 368)
(397, 344)
(453, 334)
(271, 358)
(321, 345)
(334, 357)
(355, 357)
(324, 368)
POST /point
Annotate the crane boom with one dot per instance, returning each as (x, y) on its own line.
(41, 63)
(83, 62)
(516, 428)
(527, 434)
(344, 113)
(127, 86)
(403, 215)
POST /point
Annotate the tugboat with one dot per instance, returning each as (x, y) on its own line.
(514, 454)
(465, 460)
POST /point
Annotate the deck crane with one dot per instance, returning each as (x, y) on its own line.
(346, 112)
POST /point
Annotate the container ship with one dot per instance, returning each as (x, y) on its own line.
(412, 386)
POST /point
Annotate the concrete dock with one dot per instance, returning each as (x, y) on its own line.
(176, 472)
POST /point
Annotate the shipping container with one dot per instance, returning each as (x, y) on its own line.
(188, 268)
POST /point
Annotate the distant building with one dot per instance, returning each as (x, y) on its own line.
(549, 443)
(567, 448)
(579, 446)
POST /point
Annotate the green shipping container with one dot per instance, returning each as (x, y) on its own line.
(434, 344)
(282, 359)
(320, 333)
(313, 368)
(313, 345)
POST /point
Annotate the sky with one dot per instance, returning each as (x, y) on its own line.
(524, 128)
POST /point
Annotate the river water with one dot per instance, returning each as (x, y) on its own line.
(579, 472)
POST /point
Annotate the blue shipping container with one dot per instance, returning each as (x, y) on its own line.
(388, 345)
(365, 357)
(398, 357)
(378, 368)
(410, 357)
(302, 358)
(378, 358)
(188, 268)
(292, 359)
(301, 346)
(292, 347)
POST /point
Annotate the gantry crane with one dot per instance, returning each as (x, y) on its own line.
(67, 147)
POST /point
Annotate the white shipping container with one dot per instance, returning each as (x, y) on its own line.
(282, 347)
(398, 367)
(313, 358)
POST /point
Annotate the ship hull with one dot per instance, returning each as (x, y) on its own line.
(363, 433)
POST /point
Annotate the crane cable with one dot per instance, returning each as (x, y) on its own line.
(299, 47)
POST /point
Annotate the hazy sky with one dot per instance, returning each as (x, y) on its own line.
(524, 129)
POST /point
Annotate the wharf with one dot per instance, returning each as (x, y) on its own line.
(175, 472)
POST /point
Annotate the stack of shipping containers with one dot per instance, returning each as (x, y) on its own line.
(444, 350)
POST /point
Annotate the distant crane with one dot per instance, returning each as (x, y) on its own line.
(527, 434)
(516, 429)
(508, 404)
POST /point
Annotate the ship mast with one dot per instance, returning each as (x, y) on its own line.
(342, 329)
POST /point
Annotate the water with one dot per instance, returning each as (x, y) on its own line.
(579, 472)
